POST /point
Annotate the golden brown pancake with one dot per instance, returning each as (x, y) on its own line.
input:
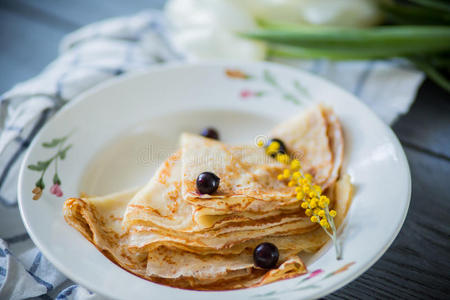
(168, 233)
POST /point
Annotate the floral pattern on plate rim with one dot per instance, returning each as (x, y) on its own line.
(43, 165)
(298, 94)
(306, 277)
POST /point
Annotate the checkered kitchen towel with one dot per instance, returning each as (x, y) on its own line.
(99, 52)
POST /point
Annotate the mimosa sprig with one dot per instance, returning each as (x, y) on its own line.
(316, 204)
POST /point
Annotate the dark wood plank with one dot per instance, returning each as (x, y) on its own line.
(24, 51)
(417, 264)
(427, 125)
(82, 12)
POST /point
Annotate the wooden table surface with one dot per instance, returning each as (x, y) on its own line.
(417, 265)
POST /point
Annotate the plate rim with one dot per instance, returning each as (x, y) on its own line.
(349, 276)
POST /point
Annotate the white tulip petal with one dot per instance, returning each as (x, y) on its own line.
(205, 29)
(210, 43)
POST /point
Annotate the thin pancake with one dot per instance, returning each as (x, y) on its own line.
(341, 193)
(248, 175)
(172, 235)
(306, 138)
(159, 207)
(163, 263)
(83, 215)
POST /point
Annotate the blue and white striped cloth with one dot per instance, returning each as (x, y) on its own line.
(104, 50)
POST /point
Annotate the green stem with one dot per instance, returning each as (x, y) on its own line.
(57, 155)
(286, 95)
(407, 14)
(439, 5)
(381, 41)
(56, 165)
(276, 50)
(336, 243)
(442, 62)
(43, 172)
(51, 159)
(433, 74)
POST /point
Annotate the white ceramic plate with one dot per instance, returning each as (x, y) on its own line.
(122, 130)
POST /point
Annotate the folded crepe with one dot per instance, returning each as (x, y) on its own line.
(248, 173)
(164, 262)
(168, 233)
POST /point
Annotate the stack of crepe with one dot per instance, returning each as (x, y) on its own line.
(168, 233)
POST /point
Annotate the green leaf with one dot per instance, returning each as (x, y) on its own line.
(433, 73)
(43, 164)
(54, 142)
(40, 165)
(268, 77)
(311, 286)
(51, 144)
(56, 179)
(291, 98)
(300, 88)
(392, 40)
(63, 152)
(35, 168)
(271, 293)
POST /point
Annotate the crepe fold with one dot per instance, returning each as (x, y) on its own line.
(168, 233)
